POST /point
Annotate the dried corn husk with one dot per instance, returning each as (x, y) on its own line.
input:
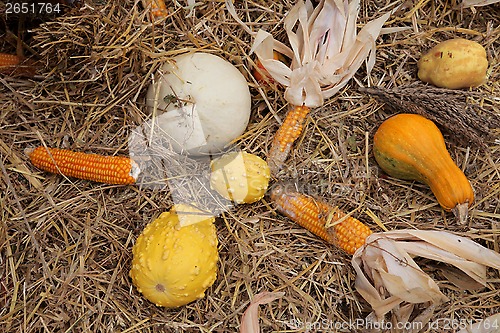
(387, 276)
(325, 49)
(477, 3)
(250, 319)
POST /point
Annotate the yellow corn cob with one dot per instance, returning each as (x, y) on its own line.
(8, 60)
(158, 7)
(104, 169)
(314, 215)
(288, 132)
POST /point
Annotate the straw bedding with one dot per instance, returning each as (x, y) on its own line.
(66, 244)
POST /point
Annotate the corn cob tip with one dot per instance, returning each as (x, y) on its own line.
(28, 151)
(135, 170)
(280, 189)
(275, 191)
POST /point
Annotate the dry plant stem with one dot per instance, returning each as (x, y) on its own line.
(461, 212)
(322, 219)
(288, 132)
(105, 169)
(449, 108)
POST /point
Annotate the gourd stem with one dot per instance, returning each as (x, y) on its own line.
(461, 212)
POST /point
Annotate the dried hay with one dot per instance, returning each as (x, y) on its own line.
(65, 243)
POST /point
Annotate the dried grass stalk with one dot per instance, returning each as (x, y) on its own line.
(452, 109)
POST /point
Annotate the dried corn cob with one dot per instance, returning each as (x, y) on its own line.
(261, 74)
(323, 220)
(104, 169)
(16, 66)
(158, 7)
(288, 132)
(9, 60)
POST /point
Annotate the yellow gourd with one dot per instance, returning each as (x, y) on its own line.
(175, 257)
(411, 147)
(240, 177)
(454, 64)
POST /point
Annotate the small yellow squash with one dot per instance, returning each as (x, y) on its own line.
(454, 64)
(175, 257)
(240, 177)
(411, 147)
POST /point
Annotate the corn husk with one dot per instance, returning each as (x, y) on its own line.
(325, 49)
(250, 319)
(477, 3)
(404, 317)
(388, 277)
